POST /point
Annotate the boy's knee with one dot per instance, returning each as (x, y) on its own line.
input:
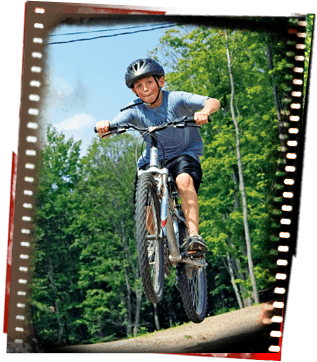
(184, 181)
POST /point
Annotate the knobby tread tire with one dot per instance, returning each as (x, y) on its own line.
(194, 313)
(146, 187)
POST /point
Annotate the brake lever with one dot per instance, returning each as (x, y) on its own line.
(108, 134)
(184, 124)
(117, 131)
(121, 130)
(179, 125)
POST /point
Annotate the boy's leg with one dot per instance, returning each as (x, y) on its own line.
(189, 198)
(190, 208)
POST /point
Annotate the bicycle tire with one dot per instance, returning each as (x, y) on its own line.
(149, 246)
(192, 286)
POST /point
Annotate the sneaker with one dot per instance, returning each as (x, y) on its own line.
(196, 243)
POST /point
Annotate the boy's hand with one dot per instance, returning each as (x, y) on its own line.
(102, 127)
(211, 106)
(201, 117)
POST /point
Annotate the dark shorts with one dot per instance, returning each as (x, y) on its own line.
(182, 164)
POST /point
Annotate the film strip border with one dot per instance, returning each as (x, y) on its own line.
(40, 17)
(19, 333)
(289, 179)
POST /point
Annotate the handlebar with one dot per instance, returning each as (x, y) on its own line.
(178, 123)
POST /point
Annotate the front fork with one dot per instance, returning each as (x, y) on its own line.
(168, 225)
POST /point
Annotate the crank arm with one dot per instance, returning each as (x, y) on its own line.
(198, 263)
(181, 258)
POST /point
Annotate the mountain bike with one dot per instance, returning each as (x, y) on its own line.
(161, 229)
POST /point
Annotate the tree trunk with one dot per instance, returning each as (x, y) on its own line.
(60, 332)
(138, 311)
(232, 268)
(129, 316)
(170, 313)
(234, 285)
(248, 300)
(53, 287)
(138, 291)
(276, 97)
(244, 200)
(236, 262)
(156, 318)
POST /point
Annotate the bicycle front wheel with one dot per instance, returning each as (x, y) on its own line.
(192, 284)
(149, 245)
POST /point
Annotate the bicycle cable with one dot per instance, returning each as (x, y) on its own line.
(136, 150)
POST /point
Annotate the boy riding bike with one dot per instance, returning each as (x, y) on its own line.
(183, 147)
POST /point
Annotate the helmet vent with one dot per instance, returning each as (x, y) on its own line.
(142, 68)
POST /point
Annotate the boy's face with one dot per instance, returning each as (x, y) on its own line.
(147, 89)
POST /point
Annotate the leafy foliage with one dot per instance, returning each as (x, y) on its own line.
(86, 286)
(202, 69)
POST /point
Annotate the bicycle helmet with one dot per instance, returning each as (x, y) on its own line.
(142, 68)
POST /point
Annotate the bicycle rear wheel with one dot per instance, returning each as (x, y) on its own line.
(192, 285)
(149, 245)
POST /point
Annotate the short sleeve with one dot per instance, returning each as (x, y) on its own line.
(194, 101)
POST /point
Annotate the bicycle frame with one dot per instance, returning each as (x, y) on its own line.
(168, 213)
(169, 227)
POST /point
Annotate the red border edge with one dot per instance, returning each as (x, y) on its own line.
(270, 356)
(10, 241)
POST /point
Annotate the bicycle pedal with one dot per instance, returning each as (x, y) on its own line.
(195, 254)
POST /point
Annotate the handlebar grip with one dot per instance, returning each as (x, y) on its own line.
(112, 127)
(192, 119)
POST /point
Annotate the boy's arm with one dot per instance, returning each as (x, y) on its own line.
(211, 106)
(123, 117)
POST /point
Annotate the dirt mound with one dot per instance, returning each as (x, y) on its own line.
(237, 331)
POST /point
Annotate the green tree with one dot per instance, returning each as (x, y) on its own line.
(55, 296)
(308, 44)
(200, 66)
(105, 237)
(86, 286)
(241, 183)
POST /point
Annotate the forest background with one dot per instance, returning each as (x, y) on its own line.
(86, 285)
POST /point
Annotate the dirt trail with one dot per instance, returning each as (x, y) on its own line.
(237, 331)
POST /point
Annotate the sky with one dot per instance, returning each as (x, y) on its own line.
(86, 78)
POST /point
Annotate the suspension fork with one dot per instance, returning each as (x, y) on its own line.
(166, 220)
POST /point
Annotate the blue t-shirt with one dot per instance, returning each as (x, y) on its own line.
(175, 141)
